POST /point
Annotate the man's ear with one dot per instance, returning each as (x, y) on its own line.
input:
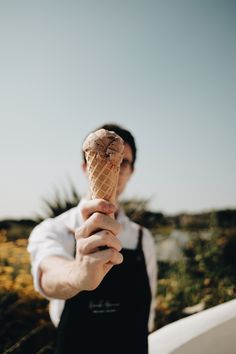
(84, 167)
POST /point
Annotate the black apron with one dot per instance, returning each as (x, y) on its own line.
(113, 318)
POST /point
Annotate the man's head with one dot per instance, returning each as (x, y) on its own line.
(125, 135)
(127, 165)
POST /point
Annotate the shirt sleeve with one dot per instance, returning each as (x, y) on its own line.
(50, 238)
(149, 249)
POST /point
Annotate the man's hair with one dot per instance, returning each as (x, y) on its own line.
(124, 134)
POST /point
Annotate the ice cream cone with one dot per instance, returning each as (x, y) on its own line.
(104, 153)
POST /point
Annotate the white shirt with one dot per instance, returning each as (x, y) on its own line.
(54, 237)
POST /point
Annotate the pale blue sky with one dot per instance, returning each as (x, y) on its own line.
(163, 69)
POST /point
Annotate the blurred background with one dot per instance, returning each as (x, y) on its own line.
(166, 71)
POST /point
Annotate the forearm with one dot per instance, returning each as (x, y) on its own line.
(55, 277)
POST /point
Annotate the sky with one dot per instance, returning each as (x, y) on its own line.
(163, 69)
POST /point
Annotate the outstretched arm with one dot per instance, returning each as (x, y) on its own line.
(97, 251)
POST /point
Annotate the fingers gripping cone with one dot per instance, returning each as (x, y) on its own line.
(104, 153)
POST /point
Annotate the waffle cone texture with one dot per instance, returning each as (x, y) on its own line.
(104, 153)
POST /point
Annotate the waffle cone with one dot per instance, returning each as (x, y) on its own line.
(103, 152)
(103, 177)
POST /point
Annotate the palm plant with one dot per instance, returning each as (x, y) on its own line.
(60, 203)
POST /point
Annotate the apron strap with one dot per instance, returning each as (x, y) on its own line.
(140, 239)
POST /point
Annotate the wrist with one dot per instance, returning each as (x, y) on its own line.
(72, 279)
(58, 277)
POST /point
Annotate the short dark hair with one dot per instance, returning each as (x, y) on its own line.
(124, 134)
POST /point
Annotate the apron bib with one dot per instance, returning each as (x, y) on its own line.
(113, 318)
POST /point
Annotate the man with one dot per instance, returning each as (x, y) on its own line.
(98, 273)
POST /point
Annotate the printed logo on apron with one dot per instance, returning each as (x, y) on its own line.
(103, 306)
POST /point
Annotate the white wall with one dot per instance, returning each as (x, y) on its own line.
(212, 331)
